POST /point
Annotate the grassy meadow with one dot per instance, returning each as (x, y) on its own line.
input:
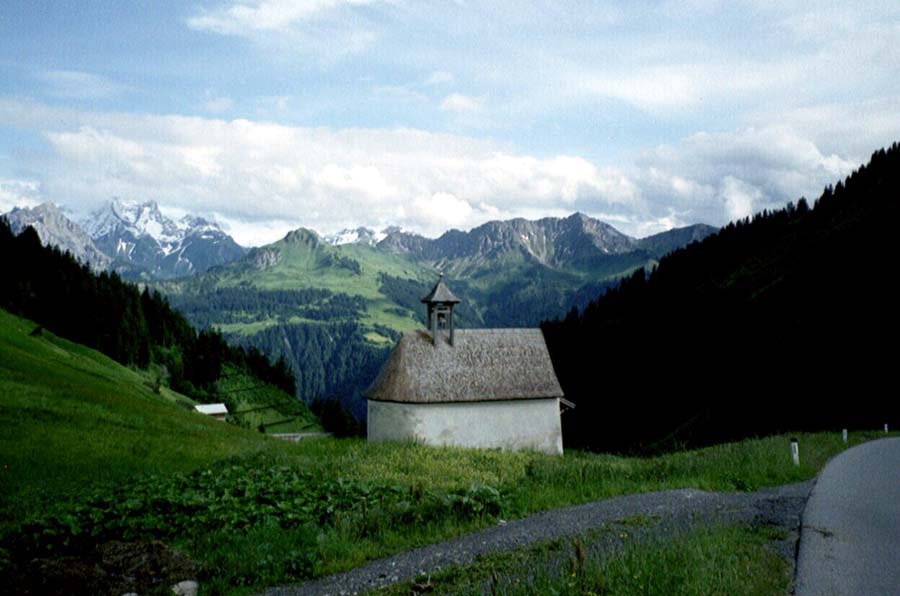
(72, 417)
(91, 454)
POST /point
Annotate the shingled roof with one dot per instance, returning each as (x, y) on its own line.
(482, 365)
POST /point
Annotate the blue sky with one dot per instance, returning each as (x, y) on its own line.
(273, 114)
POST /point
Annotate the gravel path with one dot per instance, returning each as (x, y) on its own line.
(675, 509)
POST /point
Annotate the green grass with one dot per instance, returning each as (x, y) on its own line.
(251, 403)
(84, 434)
(733, 561)
(311, 265)
(72, 417)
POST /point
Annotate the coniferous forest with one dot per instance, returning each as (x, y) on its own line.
(784, 321)
(133, 327)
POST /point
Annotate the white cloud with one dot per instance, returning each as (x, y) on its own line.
(443, 208)
(254, 233)
(715, 178)
(320, 32)
(854, 128)
(740, 198)
(19, 193)
(267, 174)
(263, 178)
(648, 88)
(456, 102)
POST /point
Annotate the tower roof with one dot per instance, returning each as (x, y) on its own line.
(440, 293)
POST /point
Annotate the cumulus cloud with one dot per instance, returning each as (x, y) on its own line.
(261, 179)
(716, 178)
(269, 175)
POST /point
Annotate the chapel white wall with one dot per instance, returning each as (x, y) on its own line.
(513, 424)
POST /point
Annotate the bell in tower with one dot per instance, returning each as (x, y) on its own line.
(440, 302)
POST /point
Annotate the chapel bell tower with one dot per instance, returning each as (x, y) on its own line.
(440, 303)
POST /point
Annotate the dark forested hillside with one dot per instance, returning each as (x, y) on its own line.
(105, 313)
(785, 321)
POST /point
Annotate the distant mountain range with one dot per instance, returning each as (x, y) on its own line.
(574, 242)
(332, 305)
(577, 242)
(134, 239)
(138, 241)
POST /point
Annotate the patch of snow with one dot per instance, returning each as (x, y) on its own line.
(360, 235)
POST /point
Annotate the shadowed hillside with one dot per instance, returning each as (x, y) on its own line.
(785, 321)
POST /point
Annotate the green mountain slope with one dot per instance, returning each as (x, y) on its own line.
(69, 414)
(334, 311)
(337, 283)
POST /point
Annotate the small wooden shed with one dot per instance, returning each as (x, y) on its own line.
(489, 388)
(217, 411)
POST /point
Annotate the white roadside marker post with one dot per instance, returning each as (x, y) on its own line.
(795, 452)
(844, 435)
(885, 428)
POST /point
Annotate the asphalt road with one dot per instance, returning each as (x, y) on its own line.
(850, 535)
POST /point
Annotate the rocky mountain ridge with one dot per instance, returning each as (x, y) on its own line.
(578, 241)
(140, 242)
(146, 243)
(55, 228)
(135, 239)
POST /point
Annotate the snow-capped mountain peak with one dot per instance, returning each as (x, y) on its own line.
(139, 234)
(137, 219)
(360, 235)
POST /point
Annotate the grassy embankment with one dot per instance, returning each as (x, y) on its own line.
(90, 453)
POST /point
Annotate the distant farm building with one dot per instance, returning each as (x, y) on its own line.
(217, 411)
(488, 388)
